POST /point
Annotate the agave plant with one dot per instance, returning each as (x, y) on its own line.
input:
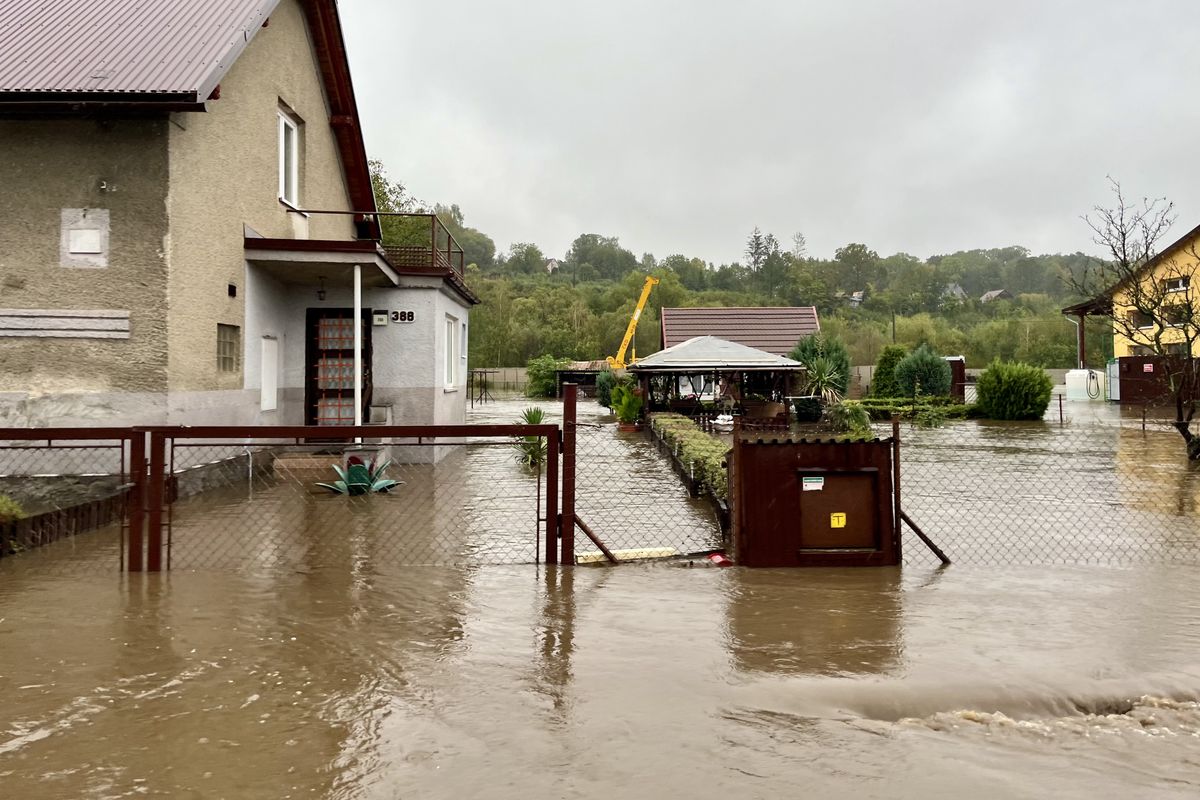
(359, 478)
(531, 450)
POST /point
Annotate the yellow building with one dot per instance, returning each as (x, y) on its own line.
(1168, 320)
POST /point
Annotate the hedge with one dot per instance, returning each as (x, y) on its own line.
(705, 452)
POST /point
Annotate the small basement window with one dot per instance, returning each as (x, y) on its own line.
(229, 348)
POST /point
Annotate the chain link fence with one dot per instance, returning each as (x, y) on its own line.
(265, 505)
(68, 491)
(994, 493)
(636, 496)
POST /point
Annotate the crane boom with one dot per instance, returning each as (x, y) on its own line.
(619, 361)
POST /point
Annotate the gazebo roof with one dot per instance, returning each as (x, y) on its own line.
(708, 353)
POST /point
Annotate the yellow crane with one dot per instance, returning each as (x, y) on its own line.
(619, 361)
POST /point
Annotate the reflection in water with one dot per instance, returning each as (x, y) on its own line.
(817, 621)
(339, 679)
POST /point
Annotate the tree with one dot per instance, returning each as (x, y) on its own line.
(1150, 297)
(478, 247)
(923, 373)
(756, 250)
(883, 379)
(858, 266)
(799, 246)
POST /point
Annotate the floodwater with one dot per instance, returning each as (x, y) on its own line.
(342, 674)
(355, 681)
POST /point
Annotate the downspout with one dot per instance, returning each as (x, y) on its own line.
(1079, 340)
(358, 362)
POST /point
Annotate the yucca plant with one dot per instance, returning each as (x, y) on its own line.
(531, 450)
(823, 379)
(359, 478)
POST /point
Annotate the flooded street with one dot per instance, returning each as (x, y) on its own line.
(323, 667)
(643, 681)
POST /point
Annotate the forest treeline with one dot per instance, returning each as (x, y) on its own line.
(577, 305)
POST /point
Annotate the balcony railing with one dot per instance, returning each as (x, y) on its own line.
(422, 242)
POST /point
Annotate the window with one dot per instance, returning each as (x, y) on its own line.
(462, 342)
(451, 353)
(289, 159)
(1175, 349)
(1177, 284)
(1177, 314)
(1140, 319)
(229, 348)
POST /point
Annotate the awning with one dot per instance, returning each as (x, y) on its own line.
(310, 261)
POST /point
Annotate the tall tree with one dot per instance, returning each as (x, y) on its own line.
(756, 250)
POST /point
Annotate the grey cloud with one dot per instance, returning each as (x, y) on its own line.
(921, 127)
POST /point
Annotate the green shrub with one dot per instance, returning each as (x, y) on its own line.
(833, 352)
(808, 409)
(604, 386)
(531, 451)
(883, 409)
(922, 372)
(883, 379)
(850, 418)
(10, 510)
(540, 373)
(705, 453)
(1012, 390)
(626, 401)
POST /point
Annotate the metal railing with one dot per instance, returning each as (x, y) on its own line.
(422, 242)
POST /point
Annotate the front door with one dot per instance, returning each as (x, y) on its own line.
(329, 366)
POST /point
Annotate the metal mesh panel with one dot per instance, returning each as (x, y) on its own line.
(1036, 493)
(635, 496)
(260, 506)
(62, 503)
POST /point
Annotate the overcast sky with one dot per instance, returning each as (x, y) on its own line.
(923, 126)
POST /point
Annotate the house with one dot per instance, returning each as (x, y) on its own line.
(996, 294)
(773, 329)
(1166, 326)
(552, 265)
(189, 227)
(953, 293)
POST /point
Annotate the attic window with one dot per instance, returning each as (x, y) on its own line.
(289, 159)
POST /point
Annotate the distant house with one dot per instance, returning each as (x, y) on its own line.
(774, 329)
(553, 265)
(857, 298)
(954, 293)
(996, 294)
(188, 227)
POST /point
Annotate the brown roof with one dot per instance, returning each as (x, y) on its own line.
(774, 329)
(124, 47)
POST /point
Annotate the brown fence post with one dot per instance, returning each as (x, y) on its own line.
(155, 500)
(896, 510)
(570, 400)
(552, 521)
(135, 508)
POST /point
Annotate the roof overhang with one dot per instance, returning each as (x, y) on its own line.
(1095, 307)
(308, 262)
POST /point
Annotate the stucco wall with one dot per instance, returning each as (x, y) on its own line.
(224, 174)
(1182, 263)
(50, 165)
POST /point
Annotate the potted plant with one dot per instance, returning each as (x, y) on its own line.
(627, 404)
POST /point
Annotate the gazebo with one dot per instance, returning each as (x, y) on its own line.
(707, 372)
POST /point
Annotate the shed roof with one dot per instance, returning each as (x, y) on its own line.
(705, 353)
(775, 329)
(124, 47)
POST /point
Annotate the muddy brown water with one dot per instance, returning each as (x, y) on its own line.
(344, 676)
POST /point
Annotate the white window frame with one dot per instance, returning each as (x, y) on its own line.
(450, 355)
(286, 175)
(462, 342)
(1177, 284)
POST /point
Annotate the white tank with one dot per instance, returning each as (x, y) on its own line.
(1085, 384)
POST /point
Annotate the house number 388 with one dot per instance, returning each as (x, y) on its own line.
(403, 316)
